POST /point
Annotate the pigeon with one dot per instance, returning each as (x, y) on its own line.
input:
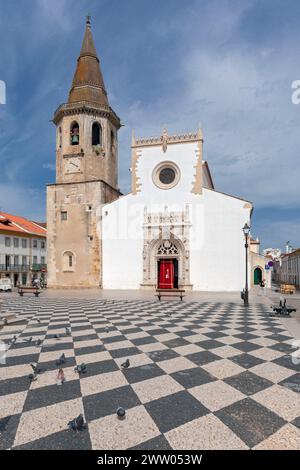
(126, 364)
(28, 340)
(57, 336)
(68, 331)
(32, 377)
(39, 342)
(81, 369)
(60, 377)
(61, 360)
(13, 340)
(121, 413)
(35, 368)
(38, 320)
(77, 424)
(107, 330)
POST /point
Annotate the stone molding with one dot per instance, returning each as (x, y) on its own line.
(170, 229)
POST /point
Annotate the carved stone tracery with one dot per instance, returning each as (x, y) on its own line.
(166, 235)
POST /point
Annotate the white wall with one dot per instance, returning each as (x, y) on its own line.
(217, 253)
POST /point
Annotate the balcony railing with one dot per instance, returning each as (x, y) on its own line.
(39, 267)
(22, 268)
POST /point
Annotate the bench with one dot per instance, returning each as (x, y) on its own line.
(287, 289)
(24, 290)
(170, 293)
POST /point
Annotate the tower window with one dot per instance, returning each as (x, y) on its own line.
(64, 215)
(112, 142)
(60, 138)
(68, 261)
(96, 134)
(74, 134)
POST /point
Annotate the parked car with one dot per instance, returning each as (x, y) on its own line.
(5, 284)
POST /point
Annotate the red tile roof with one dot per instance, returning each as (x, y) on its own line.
(20, 225)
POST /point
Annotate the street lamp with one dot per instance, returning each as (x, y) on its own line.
(246, 230)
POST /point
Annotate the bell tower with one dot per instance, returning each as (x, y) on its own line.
(86, 175)
(86, 126)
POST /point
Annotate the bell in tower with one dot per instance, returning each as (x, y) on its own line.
(75, 134)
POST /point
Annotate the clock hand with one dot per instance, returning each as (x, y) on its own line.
(74, 164)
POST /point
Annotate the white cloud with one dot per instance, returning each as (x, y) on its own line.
(49, 166)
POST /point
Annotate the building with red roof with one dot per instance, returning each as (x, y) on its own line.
(22, 249)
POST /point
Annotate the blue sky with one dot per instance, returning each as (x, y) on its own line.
(228, 65)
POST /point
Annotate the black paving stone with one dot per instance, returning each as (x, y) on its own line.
(8, 429)
(158, 443)
(51, 394)
(246, 346)
(176, 343)
(203, 357)
(145, 372)
(162, 355)
(174, 410)
(248, 383)
(63, 440)
(250, 421)
(293, 383)
(193, 377)
(246, 360)
(106, 403)
(210, 344)
(15, 385)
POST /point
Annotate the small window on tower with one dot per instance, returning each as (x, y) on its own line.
(68, 261)
(112, 142)
(64, 215)
(74, 137)
(96, 134)
(60, 138)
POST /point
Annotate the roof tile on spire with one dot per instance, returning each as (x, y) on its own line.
(88, 84)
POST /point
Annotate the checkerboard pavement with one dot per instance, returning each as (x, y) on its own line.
(202, 376)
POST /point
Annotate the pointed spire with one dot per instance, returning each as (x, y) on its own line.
(88, 47)
(88, 84)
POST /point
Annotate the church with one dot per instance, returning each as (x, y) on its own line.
(173, 230)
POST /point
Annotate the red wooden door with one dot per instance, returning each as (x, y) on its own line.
(166, 274)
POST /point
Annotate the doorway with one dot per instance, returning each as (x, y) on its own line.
(257, 276)
(16, 279)
(167, 271)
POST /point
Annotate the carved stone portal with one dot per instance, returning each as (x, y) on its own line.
(166, 235)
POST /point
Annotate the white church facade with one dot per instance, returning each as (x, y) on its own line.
(174, 230)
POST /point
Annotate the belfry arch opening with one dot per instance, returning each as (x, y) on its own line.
(96, 134)
(74, 133)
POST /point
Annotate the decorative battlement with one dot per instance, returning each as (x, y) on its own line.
(164, 139)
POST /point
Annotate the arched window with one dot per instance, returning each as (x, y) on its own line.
(96, 134)
(60, 138)
(74, 133)
(112, 142)
(68, 261)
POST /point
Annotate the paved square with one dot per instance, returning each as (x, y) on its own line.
(205, 375)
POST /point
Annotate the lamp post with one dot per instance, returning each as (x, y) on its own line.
(246, 230)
